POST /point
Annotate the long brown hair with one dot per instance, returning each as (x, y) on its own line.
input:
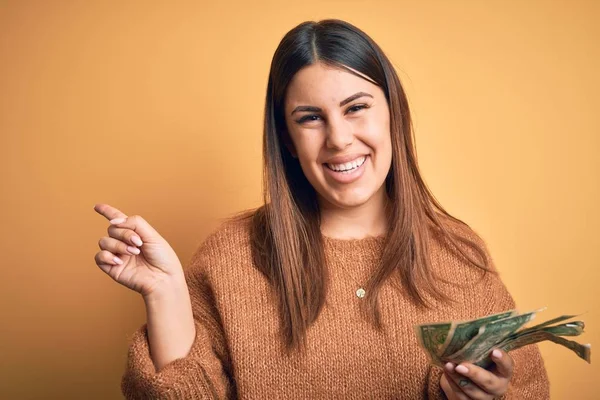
(286, 240)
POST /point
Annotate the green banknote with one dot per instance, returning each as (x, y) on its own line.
(574, 328)
(434, 337)
(431, 338)
(547, 323)
(583, 351)
(489, 336)
(473, 340)
(462, 332)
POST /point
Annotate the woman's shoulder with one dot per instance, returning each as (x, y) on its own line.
(476, 291)
(448, 256)
(228, 243)
(231, 232)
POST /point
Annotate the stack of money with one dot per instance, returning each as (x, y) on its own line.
(474, 340)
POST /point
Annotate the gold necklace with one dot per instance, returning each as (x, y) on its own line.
(360, 292)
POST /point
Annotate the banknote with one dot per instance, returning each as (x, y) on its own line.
(462, 332)
(489, 336)
(583, 351)
(547, 323)
(473, 340)
(432, 337)
(574, 328)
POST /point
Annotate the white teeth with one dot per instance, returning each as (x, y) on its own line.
(349, 165)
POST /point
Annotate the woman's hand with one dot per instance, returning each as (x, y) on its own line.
(147, 261)
(467, 381)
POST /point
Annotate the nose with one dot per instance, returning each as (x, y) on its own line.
(339, 134)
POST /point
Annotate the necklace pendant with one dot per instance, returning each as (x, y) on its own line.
(360, 293)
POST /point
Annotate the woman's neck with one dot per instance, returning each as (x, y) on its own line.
(368, 219)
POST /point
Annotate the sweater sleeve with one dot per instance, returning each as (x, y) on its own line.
(205, 373)
(530, 379)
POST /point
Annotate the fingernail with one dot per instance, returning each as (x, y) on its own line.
(449, 366)
(133, 250)
(136, 240)
(117, 220)
(461, 369)
(497, 353)
(118, 260)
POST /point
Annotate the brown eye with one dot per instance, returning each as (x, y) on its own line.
(357, 108)
(306, 118)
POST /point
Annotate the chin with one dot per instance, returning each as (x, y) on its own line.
(351, 199)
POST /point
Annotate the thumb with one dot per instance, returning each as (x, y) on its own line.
(140, 226)
(504, 363)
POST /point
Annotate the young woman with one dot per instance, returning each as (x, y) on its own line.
(316, 293)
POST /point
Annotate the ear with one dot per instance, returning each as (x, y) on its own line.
(287, 141)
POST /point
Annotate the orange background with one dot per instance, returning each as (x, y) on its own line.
(157, 110)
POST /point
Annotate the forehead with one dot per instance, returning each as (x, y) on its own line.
(320, 83)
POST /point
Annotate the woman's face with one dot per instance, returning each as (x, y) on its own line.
(339, 121)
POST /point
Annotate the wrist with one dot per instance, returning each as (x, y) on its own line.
(167, 290)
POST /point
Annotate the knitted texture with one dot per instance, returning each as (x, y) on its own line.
(237, 352)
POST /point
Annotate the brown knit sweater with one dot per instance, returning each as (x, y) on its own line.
(237, 351)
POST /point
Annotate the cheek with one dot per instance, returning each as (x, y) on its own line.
(383, 128)
(307, 150)
(376, 133)
(308, 145)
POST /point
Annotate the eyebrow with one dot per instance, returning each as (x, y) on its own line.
(342, 103)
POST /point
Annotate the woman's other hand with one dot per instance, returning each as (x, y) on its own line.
(134, 254)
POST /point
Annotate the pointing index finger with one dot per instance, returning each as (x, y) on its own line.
(109, 212)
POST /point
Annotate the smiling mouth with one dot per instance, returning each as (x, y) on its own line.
(347, 167)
